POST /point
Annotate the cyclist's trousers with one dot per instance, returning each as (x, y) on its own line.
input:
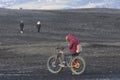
(63, 56)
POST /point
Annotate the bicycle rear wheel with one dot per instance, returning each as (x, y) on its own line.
(53, 64)
(78, 65)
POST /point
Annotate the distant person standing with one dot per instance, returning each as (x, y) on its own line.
(38, 26)
(21, 26)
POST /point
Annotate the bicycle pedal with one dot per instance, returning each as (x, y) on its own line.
(65, 66)
(61, 65)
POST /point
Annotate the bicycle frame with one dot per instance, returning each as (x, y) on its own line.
(68, 58)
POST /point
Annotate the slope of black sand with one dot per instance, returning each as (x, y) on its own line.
(24, 56)
(100, 25)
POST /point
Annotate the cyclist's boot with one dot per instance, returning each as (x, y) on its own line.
(62, 64)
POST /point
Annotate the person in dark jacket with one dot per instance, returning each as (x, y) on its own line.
(21, 26)
(38, 26)
(73, 46)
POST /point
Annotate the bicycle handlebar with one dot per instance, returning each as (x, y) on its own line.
(60, 48)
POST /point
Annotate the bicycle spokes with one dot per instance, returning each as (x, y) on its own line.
(75, 64)
(52, 64)
(78, 65)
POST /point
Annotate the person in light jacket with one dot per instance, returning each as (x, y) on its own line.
(38, 26)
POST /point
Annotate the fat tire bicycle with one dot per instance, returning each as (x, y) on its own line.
(76, 64)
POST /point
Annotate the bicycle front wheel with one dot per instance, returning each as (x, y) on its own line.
(53, 64)
(78, 65)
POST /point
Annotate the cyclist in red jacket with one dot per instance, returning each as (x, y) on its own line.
(73, 45)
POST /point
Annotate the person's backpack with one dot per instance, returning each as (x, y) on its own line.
(79, 48)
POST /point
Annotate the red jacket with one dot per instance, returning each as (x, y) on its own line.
(73, 42)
